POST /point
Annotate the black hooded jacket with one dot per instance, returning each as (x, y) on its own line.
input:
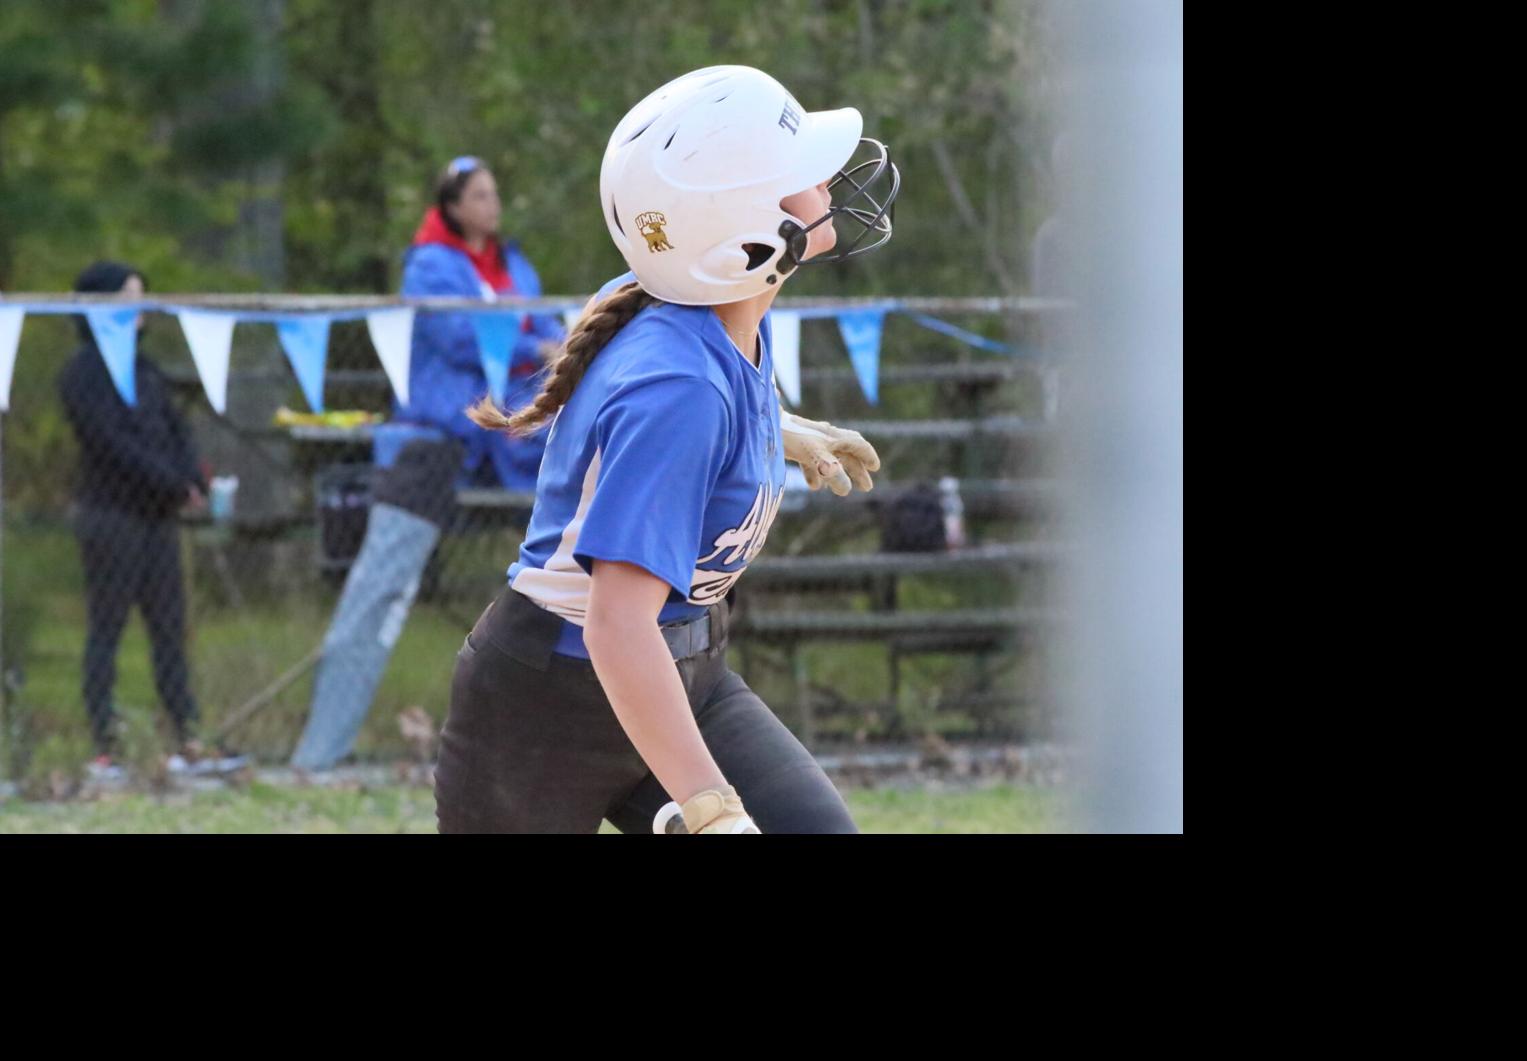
(138, 459)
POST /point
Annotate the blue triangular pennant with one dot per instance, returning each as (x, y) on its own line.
(116, 335)
(306, 342)
(497, 334)
(861, 334)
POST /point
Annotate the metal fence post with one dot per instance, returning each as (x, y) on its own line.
(5, 702)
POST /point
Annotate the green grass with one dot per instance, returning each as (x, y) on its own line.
(999, 809)
(256, 809)
(242, 636)
(262, 808)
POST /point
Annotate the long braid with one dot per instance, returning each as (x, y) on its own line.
(589, 336)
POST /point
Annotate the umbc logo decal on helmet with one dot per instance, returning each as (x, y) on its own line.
(650, 225)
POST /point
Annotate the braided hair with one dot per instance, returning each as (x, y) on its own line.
(591, 334)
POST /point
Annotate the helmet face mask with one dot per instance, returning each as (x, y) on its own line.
(872, 209)
(693, 177)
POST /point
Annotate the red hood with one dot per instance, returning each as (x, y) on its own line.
(489, 262)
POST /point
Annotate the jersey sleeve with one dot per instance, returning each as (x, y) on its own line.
(661, 448)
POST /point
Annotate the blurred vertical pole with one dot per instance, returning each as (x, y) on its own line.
(5, 709)
(5, 701)
(7, 237)
(1122, 411)
(354, 158)
(259, 245)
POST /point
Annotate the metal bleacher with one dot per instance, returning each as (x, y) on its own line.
(823, 582)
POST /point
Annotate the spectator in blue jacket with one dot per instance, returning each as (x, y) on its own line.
(430, 447)
(456, 253)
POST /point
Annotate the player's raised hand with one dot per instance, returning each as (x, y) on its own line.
(833, 455)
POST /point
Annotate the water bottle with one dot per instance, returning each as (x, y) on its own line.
(954, 511)
(221, 493)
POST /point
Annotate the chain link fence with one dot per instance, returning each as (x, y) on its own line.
(180, 582)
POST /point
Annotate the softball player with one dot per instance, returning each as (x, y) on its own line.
(596, 686)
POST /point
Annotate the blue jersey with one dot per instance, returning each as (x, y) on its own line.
(668, 456)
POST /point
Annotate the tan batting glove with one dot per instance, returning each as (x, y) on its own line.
(715, 811)
(831, 455)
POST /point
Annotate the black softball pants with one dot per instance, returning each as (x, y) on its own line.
(532, 745)
(130, 559)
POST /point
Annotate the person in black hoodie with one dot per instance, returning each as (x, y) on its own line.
(137, 470)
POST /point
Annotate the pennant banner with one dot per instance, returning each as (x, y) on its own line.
(861, 330)
(392, 334)
(10, 336)
(116, 334)
(210, 337)
(306, 342)
(497, 334)
(787, 353)
(980, 342)
(304, 338)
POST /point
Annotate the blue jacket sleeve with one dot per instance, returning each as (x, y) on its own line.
(542, 327)
(430, 270)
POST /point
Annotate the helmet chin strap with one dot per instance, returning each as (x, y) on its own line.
(796, 238)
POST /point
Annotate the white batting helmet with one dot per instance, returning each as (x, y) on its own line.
(693, 176)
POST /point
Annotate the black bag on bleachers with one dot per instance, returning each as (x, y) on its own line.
(913, 522)
(344, 498)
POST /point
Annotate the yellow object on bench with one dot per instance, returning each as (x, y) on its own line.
(333, 418)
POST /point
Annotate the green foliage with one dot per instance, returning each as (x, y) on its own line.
(144, 129)
(124, 135)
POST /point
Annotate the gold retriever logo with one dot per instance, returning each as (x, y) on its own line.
(651, 225)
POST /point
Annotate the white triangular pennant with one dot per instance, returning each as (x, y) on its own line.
(210, 337)
(787, 353)
(10, 337)
(392, 333)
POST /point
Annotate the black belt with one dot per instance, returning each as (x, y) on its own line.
(688, 638)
